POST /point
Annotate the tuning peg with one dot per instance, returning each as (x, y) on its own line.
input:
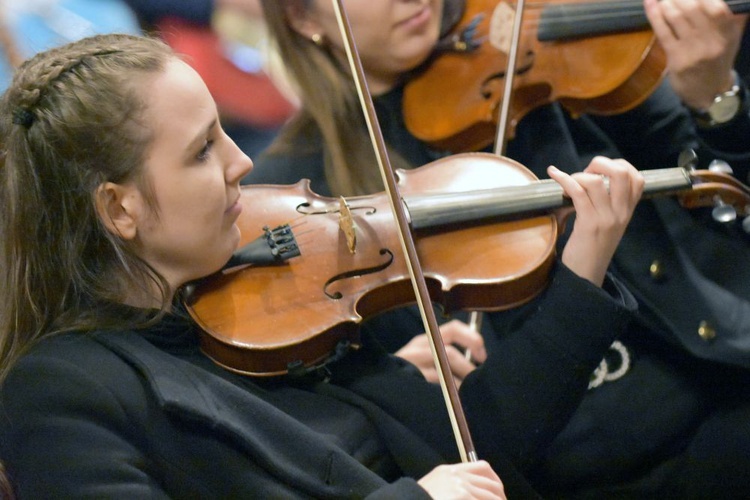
(687, 160)
(723, 212)
(720, 166)
(746, 224)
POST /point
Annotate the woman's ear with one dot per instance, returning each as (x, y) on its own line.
(115, 205)
(300, 20)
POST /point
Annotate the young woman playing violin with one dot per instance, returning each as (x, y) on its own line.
(667, 395)
(119, 187)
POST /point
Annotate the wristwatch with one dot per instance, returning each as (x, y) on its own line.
(724, 107)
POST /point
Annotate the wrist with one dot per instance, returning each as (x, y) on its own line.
(725, 106)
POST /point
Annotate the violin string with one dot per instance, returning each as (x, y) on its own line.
(604, 11)
(635, 5)
(306, 235)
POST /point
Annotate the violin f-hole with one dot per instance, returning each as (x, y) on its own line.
(497, 78)
(355, 273)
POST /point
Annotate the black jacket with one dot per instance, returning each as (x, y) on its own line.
(145, 415)
(688, 273)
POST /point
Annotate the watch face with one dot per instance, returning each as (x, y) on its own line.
(724, 108)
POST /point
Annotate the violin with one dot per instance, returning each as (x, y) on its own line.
(596, 57)
(288, 315)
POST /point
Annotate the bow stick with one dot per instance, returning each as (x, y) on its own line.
(475, 318)
(448, 385)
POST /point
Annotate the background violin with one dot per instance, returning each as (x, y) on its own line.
(273, 318)
(597, 57)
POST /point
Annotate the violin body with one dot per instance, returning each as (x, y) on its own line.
(264, 320)
(453, 102)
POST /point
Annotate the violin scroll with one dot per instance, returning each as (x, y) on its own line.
(729, 197)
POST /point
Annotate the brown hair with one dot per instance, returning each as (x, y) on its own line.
(330, 103)
(69, 121)
(6, 490)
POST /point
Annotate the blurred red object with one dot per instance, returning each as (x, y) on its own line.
(246, 96)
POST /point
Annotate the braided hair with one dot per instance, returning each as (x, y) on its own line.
(70, 120)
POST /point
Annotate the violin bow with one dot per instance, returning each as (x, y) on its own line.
(510, 73)
(447, 383)
(475, 317)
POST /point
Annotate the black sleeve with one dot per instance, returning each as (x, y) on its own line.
(537, 372)
(50, 400)
(729, 141)
(653, 134)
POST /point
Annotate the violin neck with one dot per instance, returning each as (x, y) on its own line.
(577, 20)
(438, 210)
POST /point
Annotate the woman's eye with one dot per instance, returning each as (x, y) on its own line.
(205, 151)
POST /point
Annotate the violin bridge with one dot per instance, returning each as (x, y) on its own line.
(346, 224)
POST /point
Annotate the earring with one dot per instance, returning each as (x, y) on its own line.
(317, 39)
